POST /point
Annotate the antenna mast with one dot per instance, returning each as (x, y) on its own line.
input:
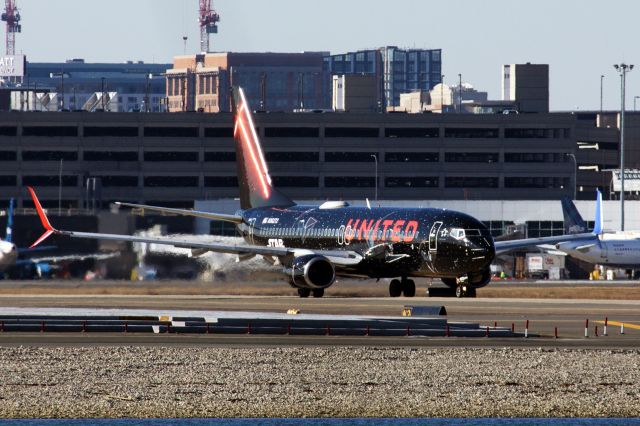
(12, 17)
(208, 19)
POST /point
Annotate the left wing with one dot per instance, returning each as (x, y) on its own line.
(505, 246)
(340, 257)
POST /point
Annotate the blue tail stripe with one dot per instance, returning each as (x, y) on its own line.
(9, 233)
(597, 228)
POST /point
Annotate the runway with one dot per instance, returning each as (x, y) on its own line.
(142, 374)
(544, 316)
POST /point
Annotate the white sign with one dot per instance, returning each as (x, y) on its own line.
(535, 263)
(12, 66)
(631, 180)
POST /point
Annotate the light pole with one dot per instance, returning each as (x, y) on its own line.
(575, 173)
(601, 79)
(375, 159)
(301, 91)
(102, 87)
(147, 94)
(441, 93)
(60, 188)
(622, 70)
(62, 89)
(460, 94)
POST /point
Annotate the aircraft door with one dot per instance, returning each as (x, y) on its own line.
(604, 253)
(429, 248)
(433, 236)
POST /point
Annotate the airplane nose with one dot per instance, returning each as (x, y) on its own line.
(484, 250)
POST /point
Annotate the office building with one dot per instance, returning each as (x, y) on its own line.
(271, 81)
(396, 70)
(527, 85)
(76, 84)
(355, 93)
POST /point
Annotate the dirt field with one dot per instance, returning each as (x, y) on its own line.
(346, 288)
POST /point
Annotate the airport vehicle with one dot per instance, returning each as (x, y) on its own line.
(315, 244)
(616, 249)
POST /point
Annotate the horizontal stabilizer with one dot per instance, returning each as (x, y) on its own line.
(184, 212)
(584, 247)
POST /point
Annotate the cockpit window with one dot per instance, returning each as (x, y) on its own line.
(457, 233)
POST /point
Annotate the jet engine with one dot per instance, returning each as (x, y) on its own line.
(311, 271)
(480, 279)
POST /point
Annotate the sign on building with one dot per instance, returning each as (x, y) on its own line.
(12, 65)
(631, 180)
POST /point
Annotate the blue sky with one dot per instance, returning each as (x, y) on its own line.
(580, 39)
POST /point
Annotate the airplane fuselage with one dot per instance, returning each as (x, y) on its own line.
(8, 255)
(610, 252)
(396, 241)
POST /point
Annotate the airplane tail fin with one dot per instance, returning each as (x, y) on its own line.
(256, 188)
(573, 222)
(9, 234)
(598, 226)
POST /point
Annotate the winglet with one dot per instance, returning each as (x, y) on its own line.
(43, 218)
(597, 227)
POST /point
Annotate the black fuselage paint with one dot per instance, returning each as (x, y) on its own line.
(413, 242)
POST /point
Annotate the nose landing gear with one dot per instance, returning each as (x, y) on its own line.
(459, 287)
(462, 290)
(404, 286)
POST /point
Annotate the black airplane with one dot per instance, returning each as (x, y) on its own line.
(315, 244)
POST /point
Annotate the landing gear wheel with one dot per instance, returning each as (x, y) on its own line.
(395, 288)
(461, 291)
(408, 288)
(318, 292)
(304, 292)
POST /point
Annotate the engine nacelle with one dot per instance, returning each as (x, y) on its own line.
(480, 279)
(311, 271)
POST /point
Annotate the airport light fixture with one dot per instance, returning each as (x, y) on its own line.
(375, 159)
(575, 172)
(460, 93)
(601, 79)
(441, 93)
(622, 69)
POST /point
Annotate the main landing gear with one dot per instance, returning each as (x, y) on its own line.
(306, 292)
(404, 286)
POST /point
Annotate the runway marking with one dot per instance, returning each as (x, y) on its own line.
(617, 323)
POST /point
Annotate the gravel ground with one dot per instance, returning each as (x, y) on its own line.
(318, 382)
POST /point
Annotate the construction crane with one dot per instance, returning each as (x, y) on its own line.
(208, 23)
(12, 17)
